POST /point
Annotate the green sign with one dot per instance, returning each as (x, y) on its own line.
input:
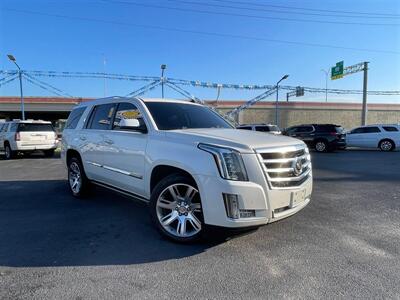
(337, 71)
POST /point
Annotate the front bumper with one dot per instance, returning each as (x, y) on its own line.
(270, 205)
(341, 143)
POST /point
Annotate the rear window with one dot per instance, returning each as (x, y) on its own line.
(390, 128)
(22, 127)
(74, 118)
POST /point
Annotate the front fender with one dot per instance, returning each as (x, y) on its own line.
(187, 157)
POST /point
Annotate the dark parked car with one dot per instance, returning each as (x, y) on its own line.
(321, 137)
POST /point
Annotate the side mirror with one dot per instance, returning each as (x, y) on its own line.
(132, 124)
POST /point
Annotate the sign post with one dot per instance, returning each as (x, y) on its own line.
(339, 71)
(364, 105)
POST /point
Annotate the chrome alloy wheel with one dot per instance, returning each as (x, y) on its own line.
(320, 146)
(386, 146)
(75, 177)
(8, 152)
(179, 210)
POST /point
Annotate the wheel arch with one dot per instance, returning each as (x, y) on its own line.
(72, 153)
(161, 171)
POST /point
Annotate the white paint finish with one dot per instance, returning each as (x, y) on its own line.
(371, 140)
(112, 157)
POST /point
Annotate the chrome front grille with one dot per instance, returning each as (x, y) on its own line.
(285, 167)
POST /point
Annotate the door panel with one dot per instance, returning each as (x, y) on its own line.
(123, 158)
(91, 140)
(124, 151)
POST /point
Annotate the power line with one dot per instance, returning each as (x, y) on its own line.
(307, 9)
(176, 82)
(45, 85)
(215, 34)
(258, 9)
(245, 15)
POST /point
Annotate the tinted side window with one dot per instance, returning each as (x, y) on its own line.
(101, 117)
(127, 111)
(390, 128)
(13, 127)
(372, 129)
(74, 118)
(358, 130)
(5, 127)
(304, 129)
(262, 128)
(245, 128)
(366, 130)
(325, 128)
(291, 130)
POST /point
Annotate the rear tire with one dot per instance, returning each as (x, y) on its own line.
(321, 146)
(386, 145)
(175, 209)
(9, 153)
(78, 183)
(49, 153)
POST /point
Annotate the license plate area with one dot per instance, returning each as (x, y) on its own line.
(38, 138)
(297, 197)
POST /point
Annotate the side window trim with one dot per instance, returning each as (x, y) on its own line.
(115, 113)
(93, 112)
(90, 117)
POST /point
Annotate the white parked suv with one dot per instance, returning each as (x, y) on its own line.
(385, 137)
(191, 166)
(26, 137)
(269, 128)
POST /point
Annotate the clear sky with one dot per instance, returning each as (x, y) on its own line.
(232, 41)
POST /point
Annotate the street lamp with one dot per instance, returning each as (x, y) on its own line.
(163, 67)
(12, 58)
(326, 84)
(277, 98)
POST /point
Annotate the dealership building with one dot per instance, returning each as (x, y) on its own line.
(290, 113)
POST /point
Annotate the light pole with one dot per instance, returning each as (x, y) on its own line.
(163, 67)
(12, 58)
(326, 84)
(277, 99)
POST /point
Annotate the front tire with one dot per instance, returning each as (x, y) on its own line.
(78, 182)
(175, 208)
(386, 145)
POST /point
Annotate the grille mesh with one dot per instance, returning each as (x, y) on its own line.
(285, 168)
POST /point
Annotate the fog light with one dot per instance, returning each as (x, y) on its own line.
(231, 205)
(247, 213)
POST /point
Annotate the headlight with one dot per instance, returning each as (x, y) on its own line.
(229, 162)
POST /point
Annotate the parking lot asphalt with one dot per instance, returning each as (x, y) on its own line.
(345, 243)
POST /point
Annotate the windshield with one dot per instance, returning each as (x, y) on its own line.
(170, 116)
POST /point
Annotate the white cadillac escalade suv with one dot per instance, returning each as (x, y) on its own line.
(191, 166)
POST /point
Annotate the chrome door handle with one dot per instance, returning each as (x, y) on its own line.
(109, 142)
(83, 138)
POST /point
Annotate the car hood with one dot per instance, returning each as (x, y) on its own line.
(245, 141)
